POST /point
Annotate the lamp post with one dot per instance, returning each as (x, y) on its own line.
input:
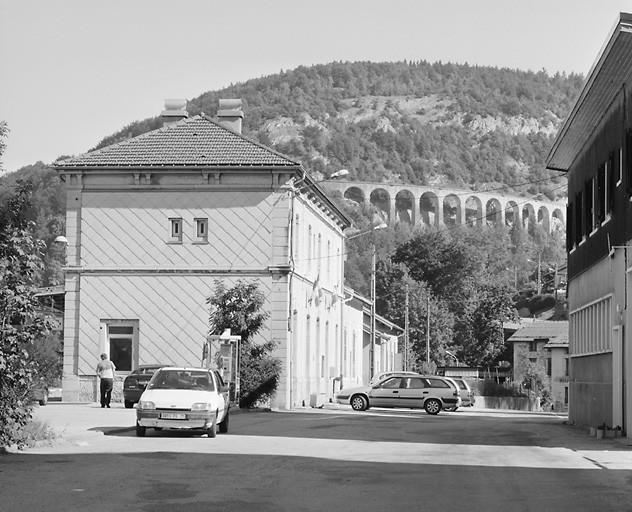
(453, 356)
(382, 225)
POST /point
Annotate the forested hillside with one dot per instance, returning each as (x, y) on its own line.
(409, 122)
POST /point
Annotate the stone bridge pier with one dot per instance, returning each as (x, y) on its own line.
(433, 206)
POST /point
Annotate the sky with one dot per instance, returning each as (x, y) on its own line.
(75, 71)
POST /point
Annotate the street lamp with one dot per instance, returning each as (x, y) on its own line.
(452, 355)
(382, 225)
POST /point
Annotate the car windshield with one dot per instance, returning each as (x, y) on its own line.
(182, 379)
(146, 371)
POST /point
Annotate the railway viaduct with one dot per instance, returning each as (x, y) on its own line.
(433, 206)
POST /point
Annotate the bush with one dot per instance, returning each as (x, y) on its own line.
(492, 388)
(20, 264)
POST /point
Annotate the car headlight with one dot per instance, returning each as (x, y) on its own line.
(201, 406)
(144, 404)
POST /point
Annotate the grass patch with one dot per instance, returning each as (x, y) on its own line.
(37, 433)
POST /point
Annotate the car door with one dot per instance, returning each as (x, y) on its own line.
(222, 388)
(386, 393)
(413, 392)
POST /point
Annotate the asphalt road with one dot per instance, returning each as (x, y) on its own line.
(334, 460)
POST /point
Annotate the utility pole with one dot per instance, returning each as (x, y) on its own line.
(428, 328)
(539, 273)
(372, 365)
(406, 331)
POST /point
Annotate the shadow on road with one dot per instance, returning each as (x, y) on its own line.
(403, 426)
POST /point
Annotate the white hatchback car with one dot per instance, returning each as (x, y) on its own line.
(184, 399)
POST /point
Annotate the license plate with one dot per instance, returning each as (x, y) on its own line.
(173, 416)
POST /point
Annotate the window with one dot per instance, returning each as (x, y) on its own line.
(570, 228)
(620, 175)
(297, 238)
(438, 383)
(578, 218)
(589, 206)
(566, 367)
(201, 229)
(415, 383)
(601, 199)
(610, 184)
(532, 360)
(309, 247)
(547, 361)
(176, 229)
(328, 273)
(533, 346)
(393, 383)
(121, 345)
(565, 396)
(628, 157)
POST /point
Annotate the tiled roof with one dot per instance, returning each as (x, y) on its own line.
(198, 141)
(555, 331)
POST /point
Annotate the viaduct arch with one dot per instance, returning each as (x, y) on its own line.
(433, 206)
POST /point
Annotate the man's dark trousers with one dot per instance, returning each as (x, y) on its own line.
(106, 391)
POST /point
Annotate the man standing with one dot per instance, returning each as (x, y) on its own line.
(105, 370)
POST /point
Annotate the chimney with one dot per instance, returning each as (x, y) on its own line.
(230, 114)
(175, 110)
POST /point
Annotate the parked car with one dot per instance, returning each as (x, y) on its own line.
(467, 394)
(136, 382)
(431, 393)
(184, 399)
(39, 392)
(378, 377)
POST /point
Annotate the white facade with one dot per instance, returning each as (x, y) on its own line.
(147, 242)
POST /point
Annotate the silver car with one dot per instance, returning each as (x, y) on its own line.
(430, 392)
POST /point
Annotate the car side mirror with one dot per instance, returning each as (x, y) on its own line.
(375, 386)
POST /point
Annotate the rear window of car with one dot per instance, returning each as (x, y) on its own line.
(461, 384)
(182, 379)
(438, 383)
(145, 371)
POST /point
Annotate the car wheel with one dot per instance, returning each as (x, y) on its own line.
(432, 406)
(44, 399)
(223, 426)
(140, 430)
(129, 404)
(212, 430)
(359, 403)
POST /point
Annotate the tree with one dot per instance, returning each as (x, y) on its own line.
(464, 279)
(239, 308)
(391, 284)
(21, 327)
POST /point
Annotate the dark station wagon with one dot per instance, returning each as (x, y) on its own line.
(136, 382)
